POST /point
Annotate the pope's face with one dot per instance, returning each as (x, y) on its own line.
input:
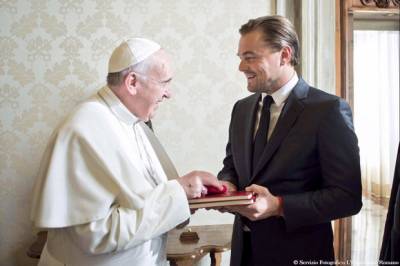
(155, 86)
(260, 64)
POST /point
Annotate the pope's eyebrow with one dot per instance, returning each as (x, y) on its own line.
(167, 81)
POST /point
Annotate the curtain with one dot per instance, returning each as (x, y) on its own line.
(376, 107)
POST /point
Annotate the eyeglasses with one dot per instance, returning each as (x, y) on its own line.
(162, 84)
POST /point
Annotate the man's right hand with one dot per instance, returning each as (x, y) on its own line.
(194, 183)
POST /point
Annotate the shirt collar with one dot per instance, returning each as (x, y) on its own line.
(282, 94)
(117, 107)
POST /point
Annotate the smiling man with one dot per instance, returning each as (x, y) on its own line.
(293, 146)
(106, 192)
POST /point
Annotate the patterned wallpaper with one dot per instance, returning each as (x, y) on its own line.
(54, 54)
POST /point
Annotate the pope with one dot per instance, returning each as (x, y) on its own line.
(106, 191)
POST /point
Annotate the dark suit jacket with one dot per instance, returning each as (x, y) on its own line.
(311, 160)
(390, 250)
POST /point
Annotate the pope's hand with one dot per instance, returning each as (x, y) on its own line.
(229, 185)
(265, 205)
(194, 183)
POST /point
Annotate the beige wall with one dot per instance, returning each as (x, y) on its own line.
(54, 54)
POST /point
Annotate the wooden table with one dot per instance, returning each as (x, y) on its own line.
(214, 239)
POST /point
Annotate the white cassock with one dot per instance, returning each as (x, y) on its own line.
(101, 191)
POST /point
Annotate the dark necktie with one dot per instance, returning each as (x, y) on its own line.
(262, 133)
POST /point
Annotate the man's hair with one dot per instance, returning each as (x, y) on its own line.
(117, 78)
(278, 32)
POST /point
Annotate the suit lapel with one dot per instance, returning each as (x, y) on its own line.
(287, 118)
(244, 142)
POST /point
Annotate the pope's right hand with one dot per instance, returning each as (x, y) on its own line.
(194, 183)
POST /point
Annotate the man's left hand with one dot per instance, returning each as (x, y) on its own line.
(265, 205)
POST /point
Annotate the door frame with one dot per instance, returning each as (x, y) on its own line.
(345, 12)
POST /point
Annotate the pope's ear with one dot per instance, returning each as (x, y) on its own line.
(130, 83)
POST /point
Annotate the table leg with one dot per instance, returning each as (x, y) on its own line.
(182, 262)
(215, 258)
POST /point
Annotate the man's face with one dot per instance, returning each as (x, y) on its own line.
(154, 86)
(260, 64)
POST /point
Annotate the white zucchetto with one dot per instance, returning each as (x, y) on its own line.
(131, 52)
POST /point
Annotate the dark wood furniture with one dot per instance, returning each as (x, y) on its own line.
(213, 240)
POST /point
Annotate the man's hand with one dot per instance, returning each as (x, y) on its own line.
(265, 205)
(194, 183)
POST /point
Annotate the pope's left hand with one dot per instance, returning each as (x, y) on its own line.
(265, 205)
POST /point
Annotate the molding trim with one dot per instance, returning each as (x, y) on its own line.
(381, 3)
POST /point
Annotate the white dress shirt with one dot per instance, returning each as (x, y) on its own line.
(280, 96)
(101, 192)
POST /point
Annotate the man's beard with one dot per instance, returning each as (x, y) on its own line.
(266, 87)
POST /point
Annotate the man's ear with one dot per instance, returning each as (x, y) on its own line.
(286, 55)
(130, 83)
